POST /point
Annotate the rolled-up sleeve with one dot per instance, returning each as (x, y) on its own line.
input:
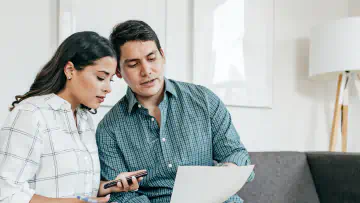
(227, 146)
(20, 152)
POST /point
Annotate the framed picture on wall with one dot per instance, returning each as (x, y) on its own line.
(233, 50)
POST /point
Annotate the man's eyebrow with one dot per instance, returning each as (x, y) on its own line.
(132, 60)
(151, 53)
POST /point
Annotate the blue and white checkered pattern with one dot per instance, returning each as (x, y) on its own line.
(43, 152)
(195, 129)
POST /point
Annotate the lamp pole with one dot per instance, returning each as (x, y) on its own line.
(341, 109)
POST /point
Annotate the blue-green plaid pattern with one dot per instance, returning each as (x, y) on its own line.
(196, 129)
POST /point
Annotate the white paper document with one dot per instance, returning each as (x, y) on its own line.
(208, 184)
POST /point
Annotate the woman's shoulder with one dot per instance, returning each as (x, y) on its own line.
(34, 103)
(27, 112)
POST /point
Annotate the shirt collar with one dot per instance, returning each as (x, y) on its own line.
(169, 87)
(82, 112)
(131, 99)
(56, 103)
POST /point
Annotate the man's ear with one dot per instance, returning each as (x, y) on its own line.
(118, 74)
(162, 54)
(69, 69)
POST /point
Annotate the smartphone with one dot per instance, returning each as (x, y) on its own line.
(114, 183)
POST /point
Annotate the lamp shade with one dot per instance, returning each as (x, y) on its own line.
(335, 48)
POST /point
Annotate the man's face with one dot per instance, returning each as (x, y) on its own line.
(142, 67)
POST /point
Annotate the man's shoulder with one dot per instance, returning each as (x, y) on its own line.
(196, 93)
(188, 89)
(183, 84)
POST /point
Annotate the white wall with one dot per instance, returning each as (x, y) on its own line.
(354, 107)
(28, 39)
(302, 109)
(354, 7)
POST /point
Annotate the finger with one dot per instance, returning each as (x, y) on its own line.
(125, 184)
(134, 172)
(118, 188)
(135, 184)
(119, 185)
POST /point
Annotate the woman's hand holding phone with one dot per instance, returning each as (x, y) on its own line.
(127, 181)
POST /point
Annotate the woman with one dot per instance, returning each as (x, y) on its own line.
(48, 151)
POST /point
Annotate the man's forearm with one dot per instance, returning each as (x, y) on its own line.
(251, 177)
(229, 164)
(226, 164)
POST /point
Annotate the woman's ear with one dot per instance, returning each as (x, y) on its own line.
(69, 70)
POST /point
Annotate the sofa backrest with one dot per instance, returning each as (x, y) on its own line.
(336, 176)
(280, 177)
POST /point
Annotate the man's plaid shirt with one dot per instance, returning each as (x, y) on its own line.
(196, 129)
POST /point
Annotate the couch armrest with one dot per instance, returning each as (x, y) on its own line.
(336, 176)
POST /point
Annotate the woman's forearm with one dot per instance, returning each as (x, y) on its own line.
(42, 199)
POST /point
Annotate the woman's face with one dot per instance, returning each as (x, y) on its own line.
(90, 85)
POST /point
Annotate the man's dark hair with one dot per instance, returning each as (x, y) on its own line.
(131, 30)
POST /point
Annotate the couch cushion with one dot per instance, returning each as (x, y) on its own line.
(336, 176)
(280, 177)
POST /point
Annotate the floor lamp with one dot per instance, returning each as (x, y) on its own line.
(335, 54)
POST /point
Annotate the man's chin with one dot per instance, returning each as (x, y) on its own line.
(149, 92)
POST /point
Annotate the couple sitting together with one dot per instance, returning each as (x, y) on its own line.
(51, 151)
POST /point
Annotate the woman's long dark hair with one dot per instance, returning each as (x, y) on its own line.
(82, 49)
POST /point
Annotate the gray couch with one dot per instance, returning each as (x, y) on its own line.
(313, 177)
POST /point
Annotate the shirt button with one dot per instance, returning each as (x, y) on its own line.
(152, 119)
(139, 105)
(163, 139)
(170, 165)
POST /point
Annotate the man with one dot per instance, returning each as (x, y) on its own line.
(161, 124)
